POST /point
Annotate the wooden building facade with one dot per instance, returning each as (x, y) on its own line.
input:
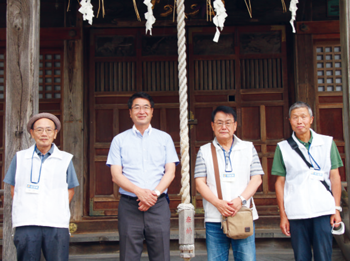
(259, 67)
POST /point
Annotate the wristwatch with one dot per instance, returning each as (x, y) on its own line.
(157, 192)
(339, 208)
(244, 201)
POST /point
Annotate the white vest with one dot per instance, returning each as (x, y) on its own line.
(305, 197)
(241, 158)
(49, 207)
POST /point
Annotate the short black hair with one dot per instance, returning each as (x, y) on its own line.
(224, 109)
(142, 95)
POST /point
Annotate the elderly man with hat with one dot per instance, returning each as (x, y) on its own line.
(42, 180)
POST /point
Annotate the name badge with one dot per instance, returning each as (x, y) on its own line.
(228, 177)
(317, 174)
(32, 188)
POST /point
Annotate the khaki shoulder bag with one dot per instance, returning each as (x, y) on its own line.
(239, 226)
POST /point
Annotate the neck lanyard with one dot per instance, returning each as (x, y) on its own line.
(31, 169)
(228, 163)
(312, 160)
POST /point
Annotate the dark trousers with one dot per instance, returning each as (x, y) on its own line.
(152, 225)
(316, 232)
(30, 240)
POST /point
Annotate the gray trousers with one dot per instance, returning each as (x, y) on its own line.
(30, 240)
(152, 225)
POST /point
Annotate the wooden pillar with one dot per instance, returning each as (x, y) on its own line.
(22, 90)
(305, 87)
(73, 115)
(344, 22)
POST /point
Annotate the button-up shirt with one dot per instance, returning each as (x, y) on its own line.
(142, 157)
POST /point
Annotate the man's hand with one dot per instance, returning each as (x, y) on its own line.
(284, 225)
(336, 219)
(236, 204)
(143, 207)
(147, 197)
(225, 208)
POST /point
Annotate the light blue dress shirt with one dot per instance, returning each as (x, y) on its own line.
(142, 158)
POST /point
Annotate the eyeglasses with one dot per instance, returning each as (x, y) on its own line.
(48, 131)
(221, 123)
(144, 107)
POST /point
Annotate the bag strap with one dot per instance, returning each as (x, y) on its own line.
(216, 170)
(295, 147)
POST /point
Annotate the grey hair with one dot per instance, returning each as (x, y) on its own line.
(300, 104)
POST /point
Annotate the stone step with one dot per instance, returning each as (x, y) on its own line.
(267, 250)
(272, 232)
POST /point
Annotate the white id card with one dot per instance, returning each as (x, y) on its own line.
(317, 174)
(228, 177)
(32, 188)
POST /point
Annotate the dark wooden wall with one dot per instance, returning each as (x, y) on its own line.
(319, 78)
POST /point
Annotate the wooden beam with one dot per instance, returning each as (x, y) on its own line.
(22, 100)
(318, 27)
(73, 115)
(344, 12)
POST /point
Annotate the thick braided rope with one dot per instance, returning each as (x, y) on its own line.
(184, 143)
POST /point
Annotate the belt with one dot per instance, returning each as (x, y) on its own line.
(135, 198)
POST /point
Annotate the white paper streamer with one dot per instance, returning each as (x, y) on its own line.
(86, 10)
(150, 19)
(293, 9)
(219, 18)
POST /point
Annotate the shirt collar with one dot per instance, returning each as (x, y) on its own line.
(148, 130)
(233, 140)
(306, 144)
(49, 152)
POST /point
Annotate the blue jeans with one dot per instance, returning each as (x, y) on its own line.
(218, 245)
(316, 232)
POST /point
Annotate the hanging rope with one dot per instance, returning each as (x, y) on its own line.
(174, 11)
(68, 6)
(249, 8)
(99, 7)
(181, 43)
(136, 10)
(209, 10)
(284, 7)
(185, 209)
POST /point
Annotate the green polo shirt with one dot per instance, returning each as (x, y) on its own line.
(279, 169)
